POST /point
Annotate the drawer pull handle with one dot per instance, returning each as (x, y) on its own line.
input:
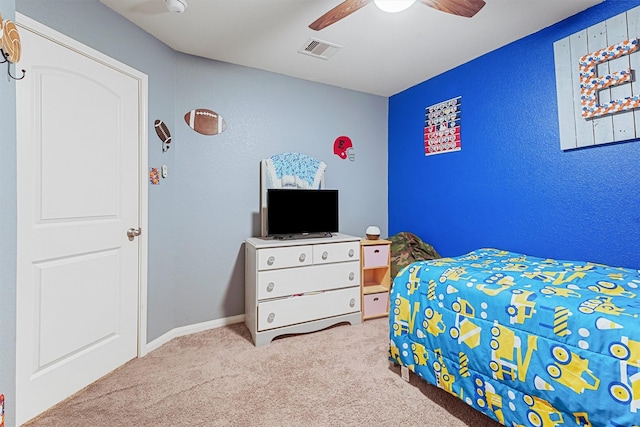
(270, 287)
(376, 251)
(325, 255)
(271, 260)
(302, 257)
(352, 276)
(271, 317)
(351, 253)
(352, 303)
(376, 299)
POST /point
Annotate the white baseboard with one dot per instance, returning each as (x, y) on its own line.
(191, 329)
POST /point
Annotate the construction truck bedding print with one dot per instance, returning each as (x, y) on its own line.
(527, 341)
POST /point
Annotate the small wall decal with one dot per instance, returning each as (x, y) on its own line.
(442, 127)
(343, 147)
(205, 121)
(163, 133)
(154, 176)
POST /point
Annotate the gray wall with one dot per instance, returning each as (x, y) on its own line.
(218, 177)
(200, 215)
(8, 231)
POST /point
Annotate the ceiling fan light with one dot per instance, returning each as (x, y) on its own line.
(393, 6)
(177, 6)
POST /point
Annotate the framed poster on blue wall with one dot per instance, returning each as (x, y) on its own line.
(442, 127)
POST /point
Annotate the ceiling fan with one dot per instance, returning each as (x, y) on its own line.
(466, 8)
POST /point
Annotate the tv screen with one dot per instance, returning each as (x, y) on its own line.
(292, 212)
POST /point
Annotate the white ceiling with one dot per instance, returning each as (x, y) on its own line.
(381, 53)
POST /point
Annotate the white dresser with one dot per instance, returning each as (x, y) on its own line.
(301, 285)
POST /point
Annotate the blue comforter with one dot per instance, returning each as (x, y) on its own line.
(527, 341)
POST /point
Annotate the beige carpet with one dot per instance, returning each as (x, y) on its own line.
(336, 377)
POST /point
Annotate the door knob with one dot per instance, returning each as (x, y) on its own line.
(132, 233)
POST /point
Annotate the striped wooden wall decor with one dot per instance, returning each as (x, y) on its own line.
(576, 131)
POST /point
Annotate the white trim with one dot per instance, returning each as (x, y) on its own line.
(43, 30)
(143, 208)
(192, 329)
(143, 212)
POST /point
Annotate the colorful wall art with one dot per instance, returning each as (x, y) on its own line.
(442, 127)
(597, 99)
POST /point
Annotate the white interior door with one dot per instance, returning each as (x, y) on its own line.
(79, 183)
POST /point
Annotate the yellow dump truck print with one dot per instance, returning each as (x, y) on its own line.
(454, 274)
(602, 304)
(507, 361)
(464, 330)
(414, 280)
(611, 289)
(495, 284)
(420, 354)
(627, 390)
(444, 379)
(487, 398)
(571, 370)
(627, 350)
(522, 306)
(561, 292)
(404, 316)
(433, 323)
(541, 413)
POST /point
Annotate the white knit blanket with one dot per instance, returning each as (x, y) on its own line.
(294, 170)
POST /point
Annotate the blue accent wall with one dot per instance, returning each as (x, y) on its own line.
(511, 187)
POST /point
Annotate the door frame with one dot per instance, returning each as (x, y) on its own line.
(29, 24)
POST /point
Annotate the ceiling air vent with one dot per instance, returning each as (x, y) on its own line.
(319, 48)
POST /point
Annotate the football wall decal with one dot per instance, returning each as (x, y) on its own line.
(205, 121)
(163, 133)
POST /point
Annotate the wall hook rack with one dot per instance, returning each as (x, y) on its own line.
(5, 57)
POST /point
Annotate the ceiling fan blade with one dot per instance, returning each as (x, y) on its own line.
(342, 10)
(466, 8)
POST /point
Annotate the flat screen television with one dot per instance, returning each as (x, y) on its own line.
(295, 213)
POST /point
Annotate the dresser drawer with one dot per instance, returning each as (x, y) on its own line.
(292, 256)
(376, 256)
(336, 252)
(279, 283)
(304, 308)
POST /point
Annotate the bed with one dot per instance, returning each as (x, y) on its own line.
(527, 341)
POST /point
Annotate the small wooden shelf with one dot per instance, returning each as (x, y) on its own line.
(375, 277)
(373, 289)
